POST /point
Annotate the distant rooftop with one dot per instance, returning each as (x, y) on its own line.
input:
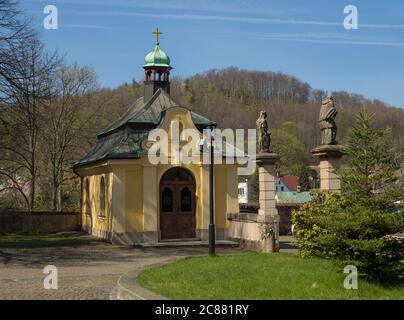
(292, 198)
(290, 181)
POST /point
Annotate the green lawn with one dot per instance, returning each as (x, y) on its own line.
(259, 276)
(37, 240)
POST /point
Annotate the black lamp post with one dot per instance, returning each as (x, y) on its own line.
(211, 196)
(211, 199)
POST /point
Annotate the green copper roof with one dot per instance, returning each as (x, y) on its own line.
(123, 138)
(150, 113)
(292, 197)
(157, 58)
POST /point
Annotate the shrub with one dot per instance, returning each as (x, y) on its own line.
(330, 226)
(306, 220)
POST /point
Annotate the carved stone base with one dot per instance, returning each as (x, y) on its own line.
(329, 151)
(269, 240)
(330, 161)
(267, 158)
(268, 245)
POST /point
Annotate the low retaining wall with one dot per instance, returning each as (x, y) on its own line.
(284, 211)
(47, 222)
(244, 228)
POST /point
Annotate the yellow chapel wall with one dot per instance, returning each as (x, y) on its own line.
(92, 220)
(225, 193)
(136, 194)
(183, 116)
(220, 191)
(134, 199)
(226, 180)
(143, 186)
(143, 195)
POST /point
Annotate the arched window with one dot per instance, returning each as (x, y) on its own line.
(87, 196)
(102, 197)
(167, 200)
(186, 200)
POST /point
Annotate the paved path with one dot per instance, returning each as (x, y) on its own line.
(287, 244)
(86, 271)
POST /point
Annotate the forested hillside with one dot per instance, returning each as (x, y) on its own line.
(234, 97)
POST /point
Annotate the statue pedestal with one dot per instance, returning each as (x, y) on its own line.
(330, 161)
(268, 217)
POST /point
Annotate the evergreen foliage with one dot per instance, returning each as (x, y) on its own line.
(351, 227)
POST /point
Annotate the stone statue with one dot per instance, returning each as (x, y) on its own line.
(264, 137)
(328, 126)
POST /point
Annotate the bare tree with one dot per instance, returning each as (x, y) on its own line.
(64, 118)
(15, 31)
(24, 91)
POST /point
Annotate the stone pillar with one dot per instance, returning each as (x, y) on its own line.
(268, 218)
(330, 161)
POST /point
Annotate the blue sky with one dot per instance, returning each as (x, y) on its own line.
(303, 38)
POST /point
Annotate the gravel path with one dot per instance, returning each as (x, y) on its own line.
(86, 271)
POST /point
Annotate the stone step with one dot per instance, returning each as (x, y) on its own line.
(189, 243)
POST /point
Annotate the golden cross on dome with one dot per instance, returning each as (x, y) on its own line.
(157, 33)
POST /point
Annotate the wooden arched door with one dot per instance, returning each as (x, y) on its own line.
(177, 204)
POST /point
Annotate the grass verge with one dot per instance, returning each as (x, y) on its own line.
(260, 276)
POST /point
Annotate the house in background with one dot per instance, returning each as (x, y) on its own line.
(287, 183)
(286, 202)
(246, 193)
(288, 198)
(243, 189)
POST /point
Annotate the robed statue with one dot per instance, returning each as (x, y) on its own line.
(328, 126)
(264, 137)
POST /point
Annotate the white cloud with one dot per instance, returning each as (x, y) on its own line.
(86, 26)
(330, 38)
(229, 6)
(233, 19)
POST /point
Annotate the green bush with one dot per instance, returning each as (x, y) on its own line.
(330, 226)
(307, 228)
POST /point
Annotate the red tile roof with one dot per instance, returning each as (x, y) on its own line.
(290, 181)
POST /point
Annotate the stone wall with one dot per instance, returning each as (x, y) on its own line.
(284, 211)
(47, 222)
(244, 228)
